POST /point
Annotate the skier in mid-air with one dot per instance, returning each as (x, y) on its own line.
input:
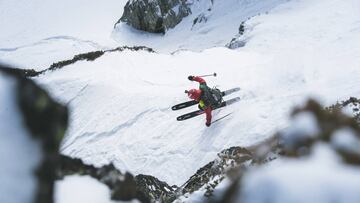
(208, 98)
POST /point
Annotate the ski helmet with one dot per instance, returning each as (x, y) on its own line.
(194, 94)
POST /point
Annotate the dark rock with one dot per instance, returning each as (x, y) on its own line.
(90, 56)
(46, 120)
(154, 189)
(238, 41)
(134, 48)
(154, 15)
(213, 173)
(352, 102)
(201, 18)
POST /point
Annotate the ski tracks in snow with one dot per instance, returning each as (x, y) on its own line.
(47, 51)
(51, 40)
(91, 137)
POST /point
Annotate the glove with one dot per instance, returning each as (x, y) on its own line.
(191, 77)
(208, 124)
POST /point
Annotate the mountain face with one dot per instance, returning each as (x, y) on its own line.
(123, 142)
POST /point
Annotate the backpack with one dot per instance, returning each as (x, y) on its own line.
(216, 97)
(211, 97)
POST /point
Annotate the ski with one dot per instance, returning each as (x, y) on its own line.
(193, 102)
(184, 105)
(199, 112)
(230, 91)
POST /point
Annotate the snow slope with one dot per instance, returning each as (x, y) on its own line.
(37, 33)
(121, 101)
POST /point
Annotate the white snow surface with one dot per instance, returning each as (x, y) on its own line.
(36, 33)
(19, 153)
(75, 189)
(303, 126)
(320, 178)
(345, 139)
(120, 103)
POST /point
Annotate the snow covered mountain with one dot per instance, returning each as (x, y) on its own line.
(120, 102)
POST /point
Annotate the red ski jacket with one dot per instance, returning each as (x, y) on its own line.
(207, 109)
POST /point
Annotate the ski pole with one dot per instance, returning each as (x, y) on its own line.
(214, 74)
(221, 118)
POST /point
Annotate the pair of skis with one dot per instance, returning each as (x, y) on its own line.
(199, 112)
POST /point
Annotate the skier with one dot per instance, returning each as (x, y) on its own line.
(208, 98)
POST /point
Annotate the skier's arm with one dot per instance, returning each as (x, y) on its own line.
(208, 116)
(197, 79)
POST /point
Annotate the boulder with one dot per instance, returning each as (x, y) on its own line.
(154, 16)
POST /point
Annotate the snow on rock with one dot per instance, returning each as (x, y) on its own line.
(345, 139)
(240, 39)
(303, 127)
(123, 186)
(210, 175)
(320, 178)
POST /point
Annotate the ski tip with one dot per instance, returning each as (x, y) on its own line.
(237, 99)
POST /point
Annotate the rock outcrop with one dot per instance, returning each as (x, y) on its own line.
(33, 132)
(90, 56)
(239, 40)
(123, 186)
(154, 189)
(154, 16)
(214, 172)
